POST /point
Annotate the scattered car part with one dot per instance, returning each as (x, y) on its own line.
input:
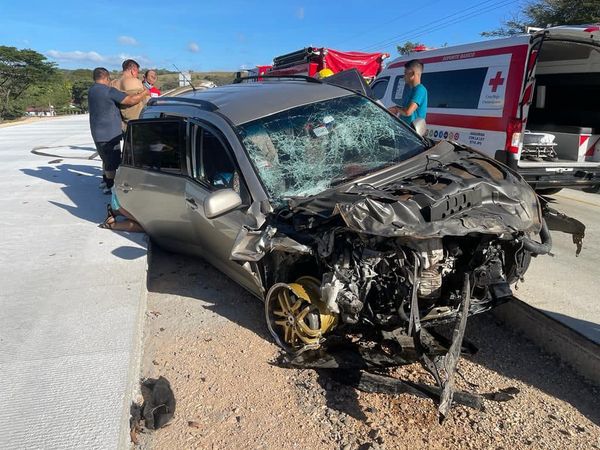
(159, 402)
(372, 382)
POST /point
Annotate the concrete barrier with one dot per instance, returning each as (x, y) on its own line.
(582, 354)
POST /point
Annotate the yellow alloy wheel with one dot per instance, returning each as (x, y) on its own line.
(296, 315)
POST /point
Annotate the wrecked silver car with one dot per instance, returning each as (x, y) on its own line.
(360, 235)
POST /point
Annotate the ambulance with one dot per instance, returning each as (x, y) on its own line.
(531, 101)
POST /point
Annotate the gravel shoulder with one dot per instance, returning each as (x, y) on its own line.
(208, 338)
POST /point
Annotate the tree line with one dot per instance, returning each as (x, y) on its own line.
(29, 80)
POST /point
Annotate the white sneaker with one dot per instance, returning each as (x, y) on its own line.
(107, 190)
(102, 185)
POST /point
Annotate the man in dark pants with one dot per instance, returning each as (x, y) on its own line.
(105, 122)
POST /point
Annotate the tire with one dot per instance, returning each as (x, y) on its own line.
(548, 191)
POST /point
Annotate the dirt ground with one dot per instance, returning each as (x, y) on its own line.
(207, 336)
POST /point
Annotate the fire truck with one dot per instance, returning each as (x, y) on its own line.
(311, 60)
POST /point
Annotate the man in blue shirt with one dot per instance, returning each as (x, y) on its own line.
(414, 96)
(105, 122)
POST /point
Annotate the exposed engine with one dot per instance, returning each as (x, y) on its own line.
(373, 279)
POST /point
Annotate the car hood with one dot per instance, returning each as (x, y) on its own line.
(447, 190)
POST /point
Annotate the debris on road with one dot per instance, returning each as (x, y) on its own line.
(159, 402)
(157, 409)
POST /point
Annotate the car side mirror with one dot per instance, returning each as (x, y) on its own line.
(221, 202)
(420, 126)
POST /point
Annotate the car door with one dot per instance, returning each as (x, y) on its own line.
(152, 179)
(213, 168)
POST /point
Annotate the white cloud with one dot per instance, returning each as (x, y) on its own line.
(76, 55)
(92, 57)
(127, 40)
(193, 47)
(300, 13)
(142, 60)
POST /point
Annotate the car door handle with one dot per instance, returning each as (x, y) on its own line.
(191, 202)
(125, 187)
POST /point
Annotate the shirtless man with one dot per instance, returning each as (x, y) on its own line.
(131, 85)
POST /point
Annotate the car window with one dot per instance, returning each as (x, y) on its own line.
(157, 145)
(379, 87)
(214, 164)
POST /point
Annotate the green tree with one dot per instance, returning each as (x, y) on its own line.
(408, 47)
(54, 92)
(542, 13)
(77, 75)
(20, 69)
(79, 93)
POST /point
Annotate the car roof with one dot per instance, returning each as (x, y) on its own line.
(247, 101)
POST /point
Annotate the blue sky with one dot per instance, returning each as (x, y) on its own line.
(231, 34)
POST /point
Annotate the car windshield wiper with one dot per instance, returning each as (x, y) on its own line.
(338, 181)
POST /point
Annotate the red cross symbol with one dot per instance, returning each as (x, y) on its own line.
(496, 81)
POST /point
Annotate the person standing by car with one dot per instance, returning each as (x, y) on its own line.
(414, 96)
(149, 82)
(105, 121)
(131, 85)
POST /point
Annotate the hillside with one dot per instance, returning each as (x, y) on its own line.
(166, 79)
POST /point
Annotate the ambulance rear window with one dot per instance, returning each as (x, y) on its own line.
(450, 89)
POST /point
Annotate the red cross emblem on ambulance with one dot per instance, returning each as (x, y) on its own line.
(496, 81)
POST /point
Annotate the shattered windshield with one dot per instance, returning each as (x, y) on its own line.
(305, 150)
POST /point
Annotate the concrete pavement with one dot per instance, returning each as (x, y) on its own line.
(565, 287)
(71, 295)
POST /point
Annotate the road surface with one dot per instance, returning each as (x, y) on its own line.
(71, 295)
(567, 287)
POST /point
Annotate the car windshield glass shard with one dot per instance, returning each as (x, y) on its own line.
(305, 150)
